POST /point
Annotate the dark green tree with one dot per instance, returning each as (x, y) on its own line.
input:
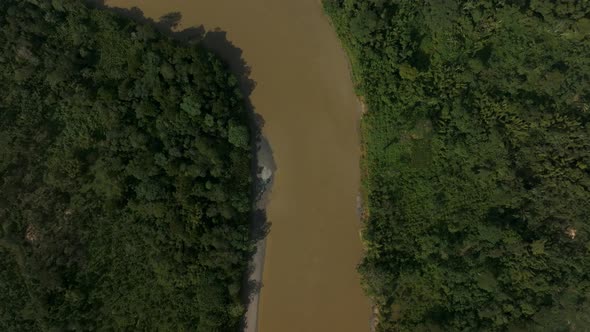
(124, 176)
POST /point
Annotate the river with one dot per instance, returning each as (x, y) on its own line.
(305, 95)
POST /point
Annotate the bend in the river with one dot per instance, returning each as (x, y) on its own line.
(305, 95)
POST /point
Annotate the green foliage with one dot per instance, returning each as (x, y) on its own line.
(477, 145)
(124, 163)
(238, 135)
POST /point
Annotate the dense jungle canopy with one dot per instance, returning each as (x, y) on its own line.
(124, 176)
(477, 160)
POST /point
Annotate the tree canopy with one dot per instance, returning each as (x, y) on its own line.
(477, 156)
(124, 176)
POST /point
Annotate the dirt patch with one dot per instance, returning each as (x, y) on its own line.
(32, 234)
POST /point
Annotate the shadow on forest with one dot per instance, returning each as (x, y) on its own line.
(217, 42)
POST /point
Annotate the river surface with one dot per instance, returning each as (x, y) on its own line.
(305, 95)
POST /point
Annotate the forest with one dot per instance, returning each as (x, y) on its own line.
(125, 184)
(476, 161)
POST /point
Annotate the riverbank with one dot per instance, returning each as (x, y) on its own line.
(263, 172)
(362, 205)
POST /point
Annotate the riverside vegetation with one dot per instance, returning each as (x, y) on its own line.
(125, 176)
(477, 144)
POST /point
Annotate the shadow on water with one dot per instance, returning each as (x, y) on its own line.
(263, 166)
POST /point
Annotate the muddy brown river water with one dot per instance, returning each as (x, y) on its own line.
(305, 95)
